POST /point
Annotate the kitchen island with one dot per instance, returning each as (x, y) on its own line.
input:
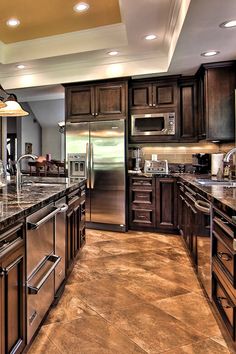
(42, 230)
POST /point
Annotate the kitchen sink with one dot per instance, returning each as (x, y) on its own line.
(210, 182)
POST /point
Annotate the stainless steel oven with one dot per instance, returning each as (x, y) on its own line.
(153, 124)
(41, 264)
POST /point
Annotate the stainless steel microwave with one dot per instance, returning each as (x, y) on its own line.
(153, 124)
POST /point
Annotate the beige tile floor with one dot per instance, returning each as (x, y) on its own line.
(131, 293)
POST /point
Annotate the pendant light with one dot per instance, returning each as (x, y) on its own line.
(10, 107)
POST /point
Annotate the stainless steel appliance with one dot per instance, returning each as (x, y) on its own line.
(153, 166)
(76, 165)
(153, 124)
(41, 263)
(137, 159)
(60, 241)
(103, 142)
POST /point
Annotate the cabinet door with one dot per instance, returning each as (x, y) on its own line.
(166, 203)
(220, 103)
(188, 126)
(140, 96)
(76, 229)
(12, 286)
(80, 103)
(165, 94)
(111, 100)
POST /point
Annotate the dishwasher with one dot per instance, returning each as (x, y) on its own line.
(41, 263)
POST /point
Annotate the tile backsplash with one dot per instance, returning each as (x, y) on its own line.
(182, 153)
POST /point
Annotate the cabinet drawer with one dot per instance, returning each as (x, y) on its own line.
(224, 304)
(145, 183)
(143, 217)
(223, 255)
(142, 197)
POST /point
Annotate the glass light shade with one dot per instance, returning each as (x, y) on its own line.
(12, 109)
(2, 104)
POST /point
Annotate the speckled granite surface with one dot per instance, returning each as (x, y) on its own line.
(14, 206)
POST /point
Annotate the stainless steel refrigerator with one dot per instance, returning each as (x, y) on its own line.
(103, 142)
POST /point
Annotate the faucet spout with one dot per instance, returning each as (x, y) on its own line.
(18, 171)
(229, 154)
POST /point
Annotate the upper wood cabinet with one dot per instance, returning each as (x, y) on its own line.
(150, 95)
(188, 129)
(96, 101)
(217, 83)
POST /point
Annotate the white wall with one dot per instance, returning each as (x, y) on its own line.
(51, 142)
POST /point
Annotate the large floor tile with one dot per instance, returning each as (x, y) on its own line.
(90, 334)
(42, 344)
(191, 309)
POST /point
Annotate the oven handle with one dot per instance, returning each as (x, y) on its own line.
(203, 206)
(34, 226)
(33, 290)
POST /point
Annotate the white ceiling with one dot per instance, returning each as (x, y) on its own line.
(185, 29)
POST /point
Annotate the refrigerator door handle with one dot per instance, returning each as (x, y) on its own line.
(91, 166)
(87, 164)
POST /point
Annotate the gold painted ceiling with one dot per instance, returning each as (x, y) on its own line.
(51, 17)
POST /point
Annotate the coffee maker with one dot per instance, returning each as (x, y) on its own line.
(136, 159)
(202, 163)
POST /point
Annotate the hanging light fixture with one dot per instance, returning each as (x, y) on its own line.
(9, 107)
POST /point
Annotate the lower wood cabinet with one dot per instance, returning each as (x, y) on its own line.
(75, 225)
(12, 292)
(152, 203)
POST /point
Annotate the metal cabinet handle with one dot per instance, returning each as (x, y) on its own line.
(63, 208)
(35, 289)
(203, 206)
(34, 226)
(224, 256)
(220, 299)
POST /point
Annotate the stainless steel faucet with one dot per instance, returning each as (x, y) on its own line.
(18, 171)
(229, 154)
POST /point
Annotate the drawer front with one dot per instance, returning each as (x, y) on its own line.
(142, 197)
(224, 304)
(144, 183)
(143, 218)
(225, 257)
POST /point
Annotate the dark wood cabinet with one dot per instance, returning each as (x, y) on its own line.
(188, 130)
(166, 203)
(96, 101)
(76, 236)
(216, 89)
(153, 94)
(12, 291)
(152, 204)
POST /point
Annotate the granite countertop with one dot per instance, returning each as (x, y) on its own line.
(14, 206)
(225, 195)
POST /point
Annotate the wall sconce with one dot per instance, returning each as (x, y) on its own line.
(9, 107)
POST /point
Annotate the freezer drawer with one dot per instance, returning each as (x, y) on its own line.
(40, 237)
(40, 294)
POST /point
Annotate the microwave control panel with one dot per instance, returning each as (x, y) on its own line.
(171, 124)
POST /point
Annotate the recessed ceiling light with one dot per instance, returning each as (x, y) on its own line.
(228, 24)
(150, 37)
(13, 22)
(20, 66)
(81, 7)
(113, 52)
(210, 53)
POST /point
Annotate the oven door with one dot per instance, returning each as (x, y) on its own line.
(151, 124)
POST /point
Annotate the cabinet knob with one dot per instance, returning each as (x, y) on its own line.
(150, 104)
(154, 104)
(93, 114)
(96, 114)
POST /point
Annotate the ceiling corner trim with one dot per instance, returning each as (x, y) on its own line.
(178, 13)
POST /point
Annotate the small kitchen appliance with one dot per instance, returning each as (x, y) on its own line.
(158, 167)
(76, 165)
(202, 163)
(136, 159)
(154, 124)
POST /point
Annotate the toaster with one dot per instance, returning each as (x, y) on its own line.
(152, 166)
